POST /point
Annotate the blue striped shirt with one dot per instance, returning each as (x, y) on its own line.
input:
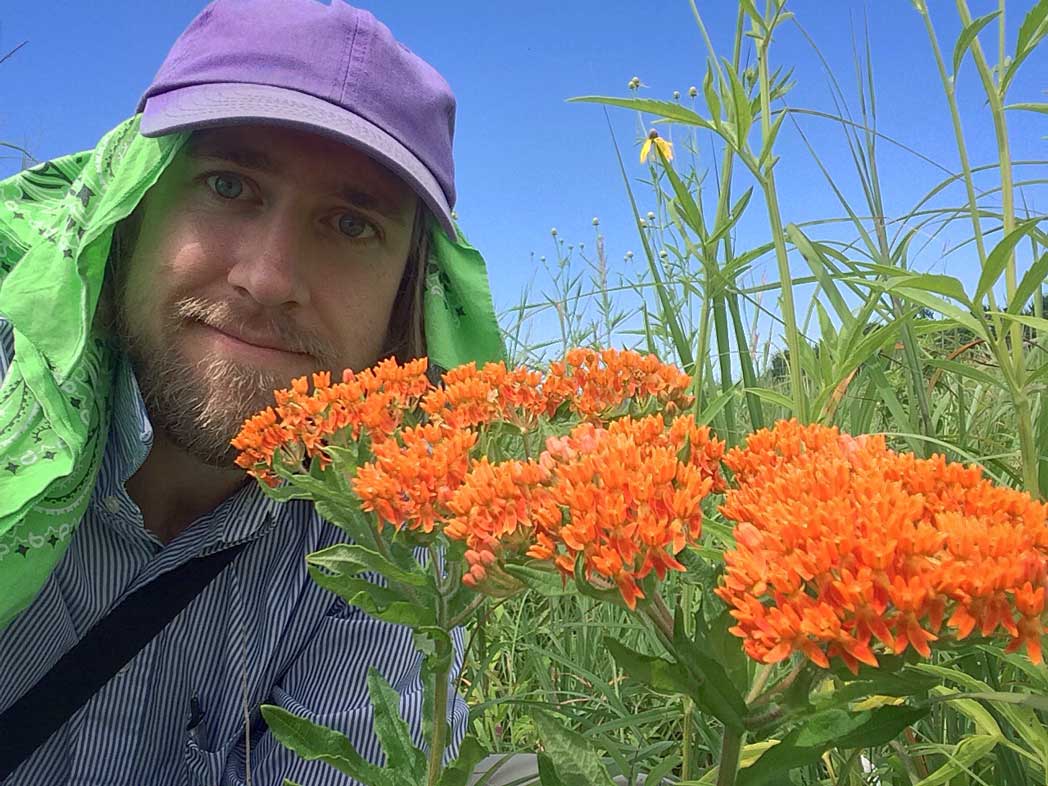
(262, 632)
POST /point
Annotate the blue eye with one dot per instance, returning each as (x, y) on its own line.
(226, 185)
(356, 228)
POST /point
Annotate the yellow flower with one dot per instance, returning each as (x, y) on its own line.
(664, 147)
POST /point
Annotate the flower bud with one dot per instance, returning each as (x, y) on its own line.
(693, 91)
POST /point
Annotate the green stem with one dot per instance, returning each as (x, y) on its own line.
(1024, 417)
(728, 768)
(442, 655)
(438, 742)
(771, 199)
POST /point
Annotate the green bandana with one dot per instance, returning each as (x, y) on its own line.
(56, 226)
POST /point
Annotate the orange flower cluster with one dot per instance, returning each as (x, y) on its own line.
(842, 544)
(376, 400)
(302, 423)
(469, 398)
(592, 382)
(410, 481)
(622, 499)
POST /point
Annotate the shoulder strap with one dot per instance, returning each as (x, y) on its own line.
(109, 646)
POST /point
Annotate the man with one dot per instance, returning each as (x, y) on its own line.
(281, 205)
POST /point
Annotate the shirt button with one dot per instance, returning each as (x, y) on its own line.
(112, 504)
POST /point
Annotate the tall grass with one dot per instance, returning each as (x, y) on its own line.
(850, 332)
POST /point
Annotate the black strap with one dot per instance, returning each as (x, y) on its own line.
(109, 646)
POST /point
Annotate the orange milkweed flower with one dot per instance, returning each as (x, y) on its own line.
(411, 480)
(892, 550)
(594, 382)
(302, 422)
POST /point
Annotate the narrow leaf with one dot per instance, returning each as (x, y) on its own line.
(470, 755)
(670, 110)
(998, 258)
(392, 730)
(350, 559)
(1030, 286)
(964, 40)
(314, 742)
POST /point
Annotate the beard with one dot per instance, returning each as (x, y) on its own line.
(200, 405)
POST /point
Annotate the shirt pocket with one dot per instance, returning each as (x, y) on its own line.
(204, 767)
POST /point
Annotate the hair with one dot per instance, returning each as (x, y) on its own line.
(406, 339)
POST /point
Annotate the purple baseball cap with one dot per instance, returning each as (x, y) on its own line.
(322, 66)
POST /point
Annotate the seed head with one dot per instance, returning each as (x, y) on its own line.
(693, 91)
(676, 95)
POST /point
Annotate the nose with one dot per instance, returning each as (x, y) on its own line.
(269, 261)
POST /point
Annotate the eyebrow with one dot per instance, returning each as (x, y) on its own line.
(260, 161)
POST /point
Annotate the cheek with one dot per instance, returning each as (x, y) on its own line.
(356, 307)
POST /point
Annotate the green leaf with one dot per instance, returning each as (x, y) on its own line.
(347, 518)
(964, 370)
(1029, 107)
(657, 775)
(350, 559)
(802, 746)
(883, 726)
(1040, 325)
(947, 309)
(819, 267)
(659, 674)
(712, 99)
(963, 755)
(548, 583)
(742, 115)
(375, 600)
(964, 40)
(772, 397)
(711, 687)
(998, 258)
(1030, 286)
(731, 219)
(930, 282)
(392, 731)
(573, 759)
(1032, 30)
(459, 771)
(314, 742)
(713, 408)
(670, 110)
(769, 143)
(692, 210)
(547, 772)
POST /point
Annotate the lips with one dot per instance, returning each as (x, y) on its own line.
(257, 340)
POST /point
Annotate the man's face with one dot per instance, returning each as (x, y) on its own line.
(263, 254)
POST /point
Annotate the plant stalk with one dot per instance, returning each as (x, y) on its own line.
(1023, 411)
(771, 198)
(442, 656)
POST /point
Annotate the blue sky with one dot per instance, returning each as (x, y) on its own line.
(527, 160)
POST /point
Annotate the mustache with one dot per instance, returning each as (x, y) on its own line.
(226, 317)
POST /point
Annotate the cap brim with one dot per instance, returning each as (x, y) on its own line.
(233, 103)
